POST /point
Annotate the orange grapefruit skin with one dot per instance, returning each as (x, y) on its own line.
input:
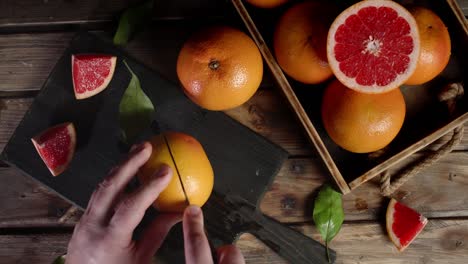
(300, 41)
(220, 68)
(435, 46)
(193, 165)
(267, 3)
(360, 122)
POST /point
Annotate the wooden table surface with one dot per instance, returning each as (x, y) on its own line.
(35, 33)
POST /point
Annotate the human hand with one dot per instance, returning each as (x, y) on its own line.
(104, 233)
(196, 246)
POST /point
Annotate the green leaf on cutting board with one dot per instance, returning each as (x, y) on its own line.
(131, 20)
(328, 214)
(135, 109)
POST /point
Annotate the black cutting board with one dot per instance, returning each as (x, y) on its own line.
(244, 163)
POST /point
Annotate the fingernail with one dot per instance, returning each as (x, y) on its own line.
(193, 210)
(137, 147)
(163, 170)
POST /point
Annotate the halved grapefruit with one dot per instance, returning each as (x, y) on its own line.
(403, 224)
(56, 146)
(91, 73)
(373, 46)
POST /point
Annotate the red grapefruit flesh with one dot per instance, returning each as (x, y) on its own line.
(373, 46)
(91, 73)
(403, 224)
(56, 146)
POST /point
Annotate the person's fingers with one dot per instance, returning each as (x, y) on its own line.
(197, 249)
(156, 233)
(230, 254)
(131, 209)
(104, 196)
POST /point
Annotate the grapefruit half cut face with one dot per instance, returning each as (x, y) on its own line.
(373, 46)
(403, 224)
(91, 73)
(56, 147)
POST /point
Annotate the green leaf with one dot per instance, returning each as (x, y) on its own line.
(131, 20)
(135, 110)
(60, 260)
(328, 214)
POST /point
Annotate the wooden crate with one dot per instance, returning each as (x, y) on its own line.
(427, 119)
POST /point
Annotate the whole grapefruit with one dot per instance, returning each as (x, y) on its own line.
(435, 46)
(300, 41)
(267, 3)
(373, 46)
(193, 177)
(360, 122)
(220, 68)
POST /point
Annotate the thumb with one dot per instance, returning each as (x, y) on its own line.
(196, 246)
(155, 234)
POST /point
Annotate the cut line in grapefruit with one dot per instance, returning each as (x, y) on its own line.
(373, 46)
(56, 147)
(91, 73)
(403, 224)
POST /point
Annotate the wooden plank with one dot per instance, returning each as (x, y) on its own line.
(439, 191)
(27, 59)
(442, 241)
(265, 113)
(26, 203)
(47, 12)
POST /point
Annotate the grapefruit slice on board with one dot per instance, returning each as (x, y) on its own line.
(56, 146)
(403, 224)
(91, 73)
(373, 46)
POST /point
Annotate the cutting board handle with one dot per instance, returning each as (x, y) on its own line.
(292, 245)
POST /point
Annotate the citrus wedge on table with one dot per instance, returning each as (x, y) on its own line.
(403, 224)
(56, 147)
(267, 3)
(91, 73)
(373, 46)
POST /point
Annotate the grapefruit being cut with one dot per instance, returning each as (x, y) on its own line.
(435, 46)
(360, 122)
(56, 147)
(403, 224)
(91, 73)
(373, 46)
(219, 68)
(193, 177)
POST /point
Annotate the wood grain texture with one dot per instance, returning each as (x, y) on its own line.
(266, 113)
(25, 203)
(27, 59)
(437, 192)
(442, 241)
(47, 12)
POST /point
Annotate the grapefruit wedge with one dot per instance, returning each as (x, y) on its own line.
(56, 147)
(403, 224)
(373, 46)
(91, 73)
